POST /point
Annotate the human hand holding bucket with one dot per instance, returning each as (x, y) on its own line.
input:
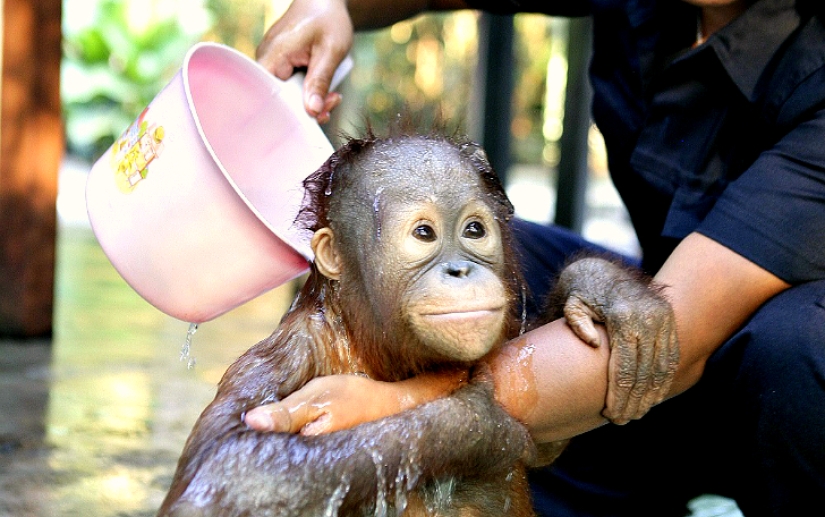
(194, 204)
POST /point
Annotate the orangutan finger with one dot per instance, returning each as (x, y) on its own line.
(581, 318)
(622, 371)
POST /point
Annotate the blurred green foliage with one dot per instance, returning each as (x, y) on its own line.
(428, 65)
(117, 55)
(424, 65)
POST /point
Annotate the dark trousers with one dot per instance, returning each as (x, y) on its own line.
(753, 428)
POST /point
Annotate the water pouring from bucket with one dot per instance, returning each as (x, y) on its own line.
(194, 204)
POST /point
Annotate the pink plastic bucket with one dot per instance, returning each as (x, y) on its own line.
(194, 204)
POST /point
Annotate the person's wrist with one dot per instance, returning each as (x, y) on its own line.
(418, 390)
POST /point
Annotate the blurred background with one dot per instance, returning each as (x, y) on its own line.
(95, 397)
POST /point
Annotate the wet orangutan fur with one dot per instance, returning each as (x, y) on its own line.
(422, 277)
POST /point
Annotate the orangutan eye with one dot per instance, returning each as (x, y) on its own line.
(475, 230)
(424, 233)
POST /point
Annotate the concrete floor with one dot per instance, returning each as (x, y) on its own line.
(94, 421)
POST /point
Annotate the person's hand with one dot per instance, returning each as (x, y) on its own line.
(337, 402)
(325, 404)
(316, 34)
(640, 326)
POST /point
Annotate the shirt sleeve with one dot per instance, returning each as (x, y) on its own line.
(774, 213)
(551, 7)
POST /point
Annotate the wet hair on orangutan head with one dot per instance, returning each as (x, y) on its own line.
(324, 182)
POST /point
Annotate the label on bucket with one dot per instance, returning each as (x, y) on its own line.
(137, 147)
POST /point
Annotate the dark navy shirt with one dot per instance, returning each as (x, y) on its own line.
(727, 138)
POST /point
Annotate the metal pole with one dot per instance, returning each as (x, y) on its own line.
(573, 170)
(495, 74)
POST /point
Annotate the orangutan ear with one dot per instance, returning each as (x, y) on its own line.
(327, 259)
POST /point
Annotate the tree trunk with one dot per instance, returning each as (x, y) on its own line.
(31, 147)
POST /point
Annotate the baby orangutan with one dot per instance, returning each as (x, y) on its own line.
(414, 272)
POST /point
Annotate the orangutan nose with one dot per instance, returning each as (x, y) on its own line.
(458, 268)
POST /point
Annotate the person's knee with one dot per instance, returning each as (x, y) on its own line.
(777, 410)
(784, 340)
(777, 392)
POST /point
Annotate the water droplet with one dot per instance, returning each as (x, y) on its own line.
(376, 213)
(407, 476)
(185, 351)
(473, 151)
(443, 494)
(328, 190)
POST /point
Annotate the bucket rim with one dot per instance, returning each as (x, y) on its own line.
(301, 249)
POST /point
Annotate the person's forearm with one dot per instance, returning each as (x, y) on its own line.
(374, 14)
(552, 382)
(713, 292)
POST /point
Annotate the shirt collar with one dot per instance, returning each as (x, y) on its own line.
(754, 38)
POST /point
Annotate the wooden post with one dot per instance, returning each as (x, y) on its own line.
(31, 147)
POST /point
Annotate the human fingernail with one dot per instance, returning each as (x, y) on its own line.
(315, 103)
(259, 420)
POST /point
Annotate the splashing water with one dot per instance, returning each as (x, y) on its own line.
(337, 498)
(381, 503)
(508, 502)
(185, 350)
(523, 328)
(406, 479)
(525, 354)
(328, 189)
(376, 212)
(442, 496)
(400, 499)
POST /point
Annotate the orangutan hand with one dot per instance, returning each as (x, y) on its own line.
(640, 326)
